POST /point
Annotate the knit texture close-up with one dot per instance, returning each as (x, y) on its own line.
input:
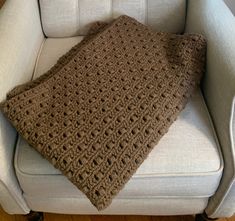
(98, 112)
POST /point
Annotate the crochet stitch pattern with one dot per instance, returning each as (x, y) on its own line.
(97, 114)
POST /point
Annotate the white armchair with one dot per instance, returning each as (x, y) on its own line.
(183, 174)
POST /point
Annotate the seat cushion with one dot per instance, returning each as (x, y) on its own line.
(186, 162)
(66, 18)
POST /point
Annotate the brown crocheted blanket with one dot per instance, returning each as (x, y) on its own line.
(101, 109)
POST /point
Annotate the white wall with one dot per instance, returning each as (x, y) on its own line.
(231, 4)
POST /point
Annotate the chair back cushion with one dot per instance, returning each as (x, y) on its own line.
(66, 18)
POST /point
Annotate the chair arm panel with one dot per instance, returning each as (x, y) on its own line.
(21, 37)
(214, 20)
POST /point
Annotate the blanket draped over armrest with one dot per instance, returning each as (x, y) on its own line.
(101, 109)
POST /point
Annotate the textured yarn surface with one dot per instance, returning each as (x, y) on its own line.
(101, 109)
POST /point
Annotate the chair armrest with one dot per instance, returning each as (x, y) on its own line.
(214, 20)
(21, 37)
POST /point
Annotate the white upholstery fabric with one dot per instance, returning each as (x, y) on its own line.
(8, 200)
(215, 21)
(20, 39)
(136, 206)
(186, 163)
(66, 18)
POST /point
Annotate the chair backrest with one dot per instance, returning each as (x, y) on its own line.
(66, 18)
